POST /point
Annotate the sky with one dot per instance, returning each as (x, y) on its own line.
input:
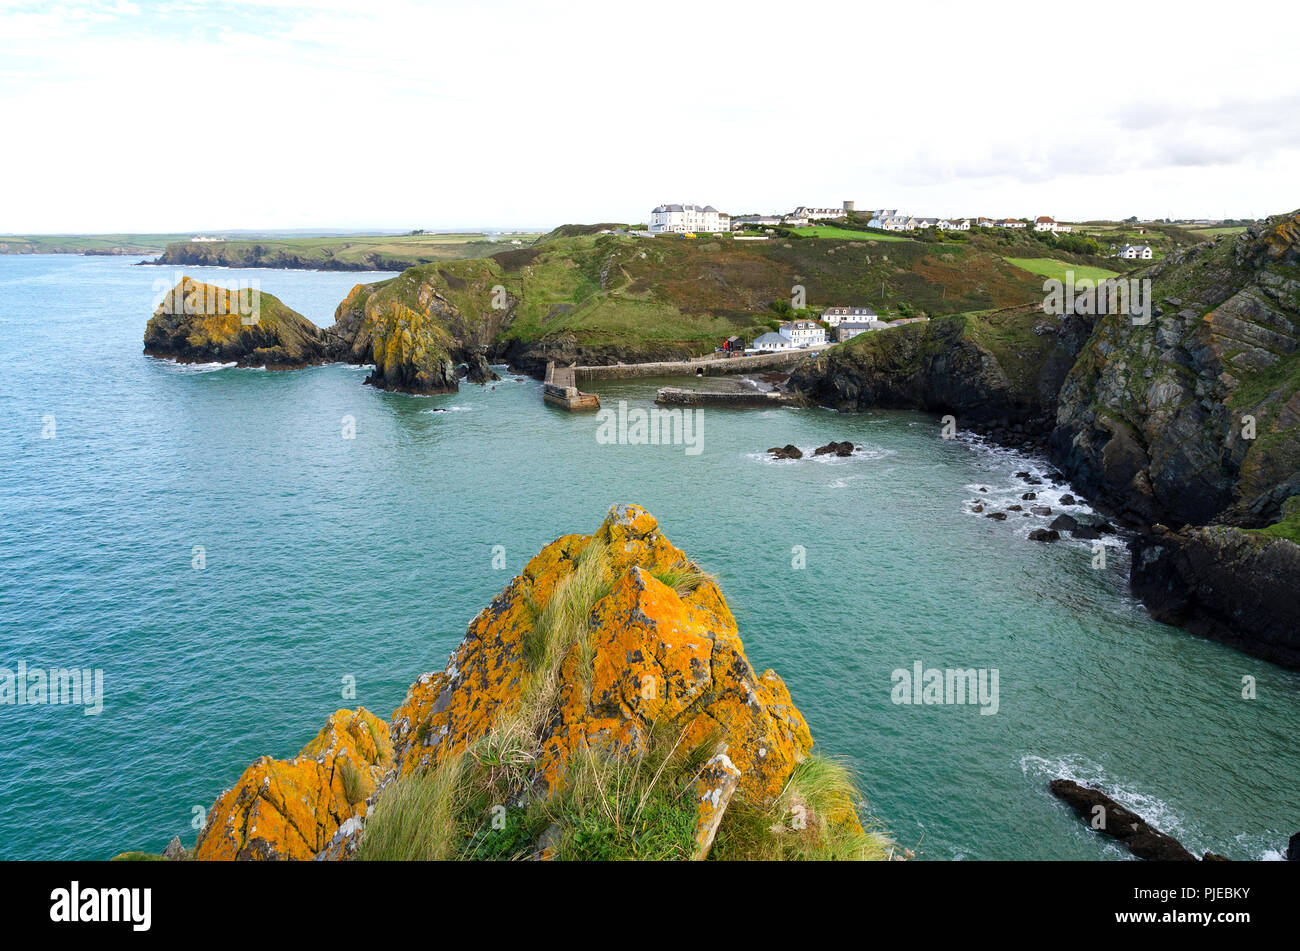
(126, 116)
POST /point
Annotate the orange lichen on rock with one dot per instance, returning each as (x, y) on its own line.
(655, 659)
(289, 809)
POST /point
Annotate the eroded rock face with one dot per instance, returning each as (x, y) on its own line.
(407, 340)
(1152, 416)
(204, 323)
(657, 658)
(291, 809)
(1235, 586)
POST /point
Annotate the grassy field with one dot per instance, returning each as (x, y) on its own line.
(1051, 268)
(83, 243)
(345, 252)
(848, 234)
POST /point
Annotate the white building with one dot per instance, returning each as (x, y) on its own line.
(888, 219)
(954, 224)
(804, 333)
(1135, 252)
(679, 219)
(755, 221)
(1011, 223)
(812, 214)
(834, 315)
(1046, 223)
(773, 341)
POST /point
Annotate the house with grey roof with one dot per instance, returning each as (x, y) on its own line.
(681, 219)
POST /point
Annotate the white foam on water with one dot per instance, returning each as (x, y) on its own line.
(1087, 773)
(201, 367)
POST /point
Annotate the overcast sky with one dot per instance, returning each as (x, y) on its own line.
(189, 115)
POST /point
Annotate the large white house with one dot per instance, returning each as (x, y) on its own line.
(804, 333)
(834, 315)
(807, 211)
(679, 219)
(1135, 251)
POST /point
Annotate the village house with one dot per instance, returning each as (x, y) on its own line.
(954, 224)
(985, 223)
(1135, 251)
(833, 315)
(888, 219)
(1011, 223)
(1047, 223)
(773, 341)
(804, 333)
(811, 214)
(680, 219)
(849, 329)
(754, 221)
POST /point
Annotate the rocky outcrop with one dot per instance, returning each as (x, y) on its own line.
(477, 370)
(789, 451)
(606, 646)
(658, 657)
(291, 809)
(1195, 416)
(1110, 818)
(405, 335)
(204, 323)
(1221, 582)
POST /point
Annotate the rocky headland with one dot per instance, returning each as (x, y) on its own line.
(601, 707)
(1185, 426)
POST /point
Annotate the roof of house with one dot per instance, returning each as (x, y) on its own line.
(666, 208)
(861, 324)
(770, 337)
(855, 311)
(1045, 219)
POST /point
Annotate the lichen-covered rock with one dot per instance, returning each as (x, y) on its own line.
(204, 323)
(658, 658)
(291, 809)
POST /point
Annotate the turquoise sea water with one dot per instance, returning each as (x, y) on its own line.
(329, 558)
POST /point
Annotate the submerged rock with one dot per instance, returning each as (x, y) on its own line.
(1044, 535)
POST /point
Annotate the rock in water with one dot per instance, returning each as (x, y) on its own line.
(1130, 829)
(479, 370)
(840, 449)
(204, 323)
(787, 452)
(409, 345)
(1044, 535)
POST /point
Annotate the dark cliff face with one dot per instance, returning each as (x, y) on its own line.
(997, 374)
(1234, 586)
(1195, 415)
